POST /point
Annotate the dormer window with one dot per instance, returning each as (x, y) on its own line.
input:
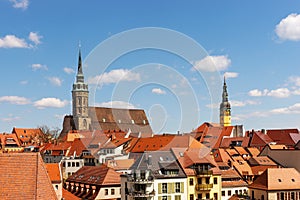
(132, 121)
(103, 120)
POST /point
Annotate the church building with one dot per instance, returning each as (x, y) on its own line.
(88, 118)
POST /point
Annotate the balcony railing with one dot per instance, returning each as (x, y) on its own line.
(148, 179)
(141, 193)
(202, 187)
(204, 172)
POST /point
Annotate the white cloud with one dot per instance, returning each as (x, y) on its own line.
(158, 91)
(11, 41)
(294, 109)
(35, 38)
(115, 76)
(50, 102)
(116, 104)
(278, 93)
(69, 70)
(23, 4)
(255, 93)
(10, 119)
(212, 63)
(295, 80)
(231, 74)
(288, 28)
(55, 81)
(15, 100)
(37, 66)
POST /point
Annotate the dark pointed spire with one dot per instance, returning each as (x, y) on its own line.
(225, 93)
(79, 77)
(79, 62)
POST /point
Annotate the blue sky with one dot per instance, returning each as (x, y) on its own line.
(256, 44)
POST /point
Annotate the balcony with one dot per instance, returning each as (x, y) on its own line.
(203, 187)
(204, 172)
(141, 193)
(141, 180)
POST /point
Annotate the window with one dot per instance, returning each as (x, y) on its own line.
(56, 187)
(77, 164)
(282, 195)
(164, 198)
(292, 196)
(215, 181)
(199, 196)
(236, 191)
(69, 164)
(177, 197)
(207, 180)
(229, 193)
(73, 164)
(223, 193)
(106, 192)
(199, 180)
(112, 191)
(207, 196)
(177, 187)
(164, 188)
(191, 181)
(191, 197)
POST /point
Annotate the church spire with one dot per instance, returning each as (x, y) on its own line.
(225, 108)
(79, 77)
(225, 93)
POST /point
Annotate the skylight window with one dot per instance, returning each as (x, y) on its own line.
(293, 180)
(279, 180)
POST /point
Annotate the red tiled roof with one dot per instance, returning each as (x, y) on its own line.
(96, 175)
(77, 147)
(282, 136)
(259, 139)
(68, 195)
(24, 134)
(9, 139)
(277, 179)
(53, 171)
(24, 176)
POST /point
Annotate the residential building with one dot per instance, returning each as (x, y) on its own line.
(276, 184)
(282, 155)
(24, 176)
(154, 176)
(95, 182)
(203, 175)
(29, 136)
(10, 143)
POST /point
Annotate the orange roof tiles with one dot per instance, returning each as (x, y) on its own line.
(278, 179)
(53, 170)
(282, 136)
(96, 175)
(25, 134)
(24, 176)
(68, 195)
(253, 151)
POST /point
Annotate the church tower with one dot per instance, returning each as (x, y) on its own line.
(225, 108)
(80, 100)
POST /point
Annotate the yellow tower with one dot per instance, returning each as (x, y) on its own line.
(225, 108)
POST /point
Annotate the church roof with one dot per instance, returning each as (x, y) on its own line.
(134, 120)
